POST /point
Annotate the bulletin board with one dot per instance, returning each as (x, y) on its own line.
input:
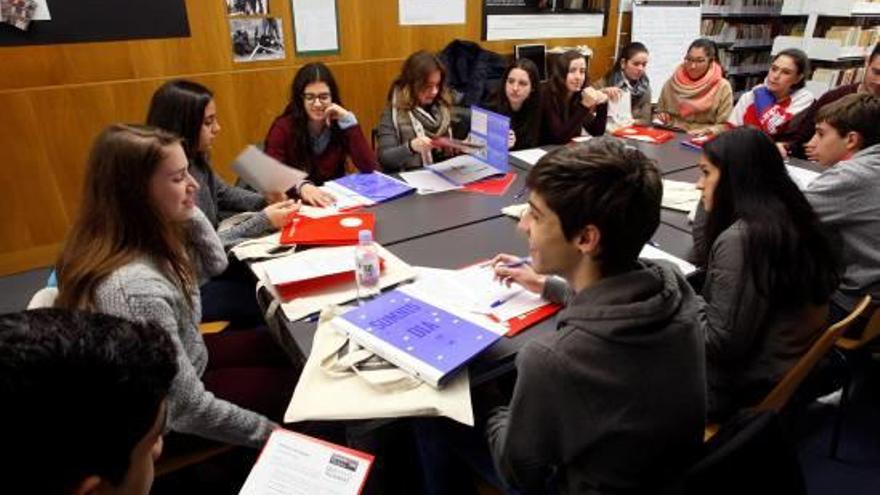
(77, 21)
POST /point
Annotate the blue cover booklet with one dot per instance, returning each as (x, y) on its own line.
(375, 186)
(422, 339)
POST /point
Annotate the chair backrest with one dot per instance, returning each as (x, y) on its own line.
(750, 454)
(870, 332)
(782, 392)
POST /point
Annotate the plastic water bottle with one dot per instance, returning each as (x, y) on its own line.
(366, 262)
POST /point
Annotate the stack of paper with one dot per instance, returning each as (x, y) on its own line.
(651, 252)
(681, 196)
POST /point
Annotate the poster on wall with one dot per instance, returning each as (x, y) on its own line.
(257, 39)
(522, 19)
(67, 21)
(429, 12)
(247, 7)
(315, 27)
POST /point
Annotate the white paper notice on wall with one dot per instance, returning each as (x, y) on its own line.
(425, 12)
(666, 31)
(42, 12)
(315, 26)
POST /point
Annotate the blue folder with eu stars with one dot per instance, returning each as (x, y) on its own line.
(422, 339)
(375, 186)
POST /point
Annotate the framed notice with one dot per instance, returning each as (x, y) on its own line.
(541, 19)
(315, 27)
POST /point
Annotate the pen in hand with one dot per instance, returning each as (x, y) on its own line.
(514, 264)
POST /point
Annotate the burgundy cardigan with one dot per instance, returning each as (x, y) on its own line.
(328, 165)
(556, 130)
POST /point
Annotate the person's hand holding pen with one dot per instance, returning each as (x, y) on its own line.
(509, 269)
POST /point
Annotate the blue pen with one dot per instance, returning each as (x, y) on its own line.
(520, 262)
(503, 300)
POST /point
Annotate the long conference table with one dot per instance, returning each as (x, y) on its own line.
(455, 229)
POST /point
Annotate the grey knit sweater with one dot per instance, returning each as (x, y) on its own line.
(215, 196)
(139, 291)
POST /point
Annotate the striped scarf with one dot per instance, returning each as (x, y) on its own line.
(696, 96)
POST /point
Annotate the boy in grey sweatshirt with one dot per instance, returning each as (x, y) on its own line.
(614, 400)
(846, 196)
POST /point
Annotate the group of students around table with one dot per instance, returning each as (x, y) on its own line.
(616, 399)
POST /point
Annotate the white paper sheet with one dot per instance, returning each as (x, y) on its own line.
(345, 197)
(425, 12)
(801, 176)
(681, 196)
(653, 253)
(310, 264)
(265, 173)
(527, 26)
(292, 464)
(315, 25)
(42, 11)
(516, 211)
(427, 182)
(530, 156)
(464, 169)
(667, 30)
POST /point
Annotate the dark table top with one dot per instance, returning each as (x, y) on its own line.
(670, 156)
(465, 245)
(414, 216)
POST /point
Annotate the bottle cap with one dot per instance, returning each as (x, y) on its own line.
(365, 236)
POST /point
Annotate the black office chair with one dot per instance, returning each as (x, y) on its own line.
(749, 454)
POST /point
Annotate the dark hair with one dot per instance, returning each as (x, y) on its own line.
(414, 74)
(309, 74)
(707, 46)
(556, 84)
(786, 252)
(528, 116)
(80, 390)
(859, 112)
(874, 53)
(627, 52)
(607, 184)
(801, 61)
(178, 106)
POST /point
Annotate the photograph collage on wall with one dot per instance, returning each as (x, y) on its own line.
(255, 35)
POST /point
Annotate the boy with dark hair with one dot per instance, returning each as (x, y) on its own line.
(846, 196)
(84, 401)
(615, 400)
(869, 85)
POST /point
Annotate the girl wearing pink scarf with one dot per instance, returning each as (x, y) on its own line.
(697, 98)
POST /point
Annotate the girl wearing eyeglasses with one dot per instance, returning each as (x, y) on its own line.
(317, 134)
(697, 98)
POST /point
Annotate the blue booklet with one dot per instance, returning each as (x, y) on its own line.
(420, 338)
(374, 186)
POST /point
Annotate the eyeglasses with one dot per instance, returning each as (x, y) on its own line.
(311, 97)
(696, 61)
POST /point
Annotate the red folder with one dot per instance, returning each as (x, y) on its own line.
(652, 134)
(334, 230)
(519, 323)
(493, 187)
(302, 288)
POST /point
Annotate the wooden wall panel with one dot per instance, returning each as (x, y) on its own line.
(56, 98)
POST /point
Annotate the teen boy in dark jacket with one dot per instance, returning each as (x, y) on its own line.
(614, 400)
